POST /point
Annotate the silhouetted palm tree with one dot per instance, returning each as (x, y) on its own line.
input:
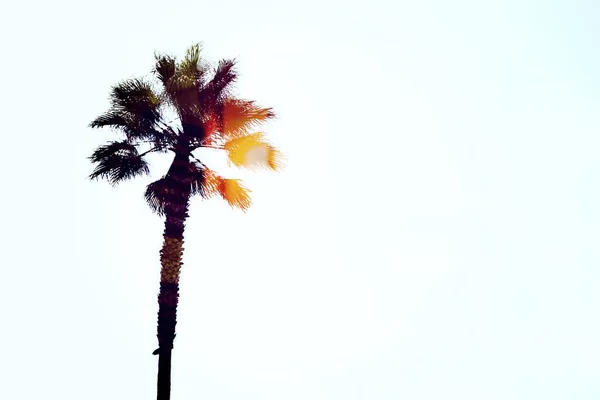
(208, 115)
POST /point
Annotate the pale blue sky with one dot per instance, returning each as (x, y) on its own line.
(434, 235)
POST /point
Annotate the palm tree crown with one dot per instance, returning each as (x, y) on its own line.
(209, 115)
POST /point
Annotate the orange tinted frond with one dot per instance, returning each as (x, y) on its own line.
(274, 159)
(253, 151)
(239, 116)
(239, 148)
(211, 125)
(237, 195)
(212, 183)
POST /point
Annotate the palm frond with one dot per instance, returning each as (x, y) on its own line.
(133, 126)
(217, 87)
(237, 195)
(211, 122)
(192, 55)
(198, 181)
(225, 74)
(253, 151)
(164, 67)
(118, 161)
(183, 88)
(135, 110)
(231, 118)
(231, 190)
(201, 182)
(114, 119)
(191, 65)
(156, 195)
(239, 116)
(181, 84)
(135, 95)
(166, 192)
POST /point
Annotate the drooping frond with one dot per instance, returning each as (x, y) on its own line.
(253, 151)
(118, 161)
(237, 195)
(231, 190)
(211, 182)
(156, 194)
(117, 120)
(135, 110)
(134, 127)
(160, 192)
(198, 181)
(164, 192)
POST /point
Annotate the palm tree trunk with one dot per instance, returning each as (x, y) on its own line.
(167, 319)
(163, 389)
(176, 211)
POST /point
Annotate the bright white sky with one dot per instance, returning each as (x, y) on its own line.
(435, 234)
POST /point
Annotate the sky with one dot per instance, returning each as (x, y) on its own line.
(434, 234)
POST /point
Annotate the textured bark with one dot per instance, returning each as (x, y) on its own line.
(176, 211)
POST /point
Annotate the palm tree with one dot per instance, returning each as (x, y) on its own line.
(206, 114)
